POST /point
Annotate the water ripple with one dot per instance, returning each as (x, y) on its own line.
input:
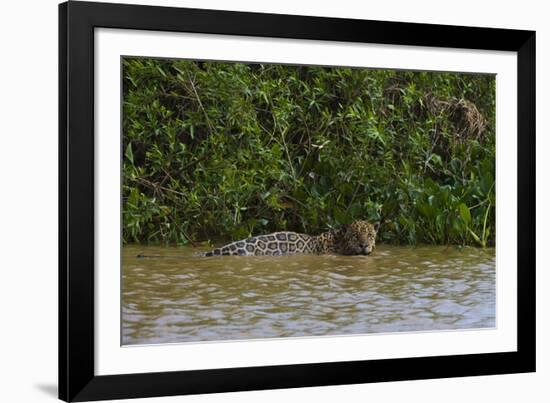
(182, 298)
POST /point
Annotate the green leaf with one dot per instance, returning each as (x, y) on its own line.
(475, 237)
(340, 216)
(465, 213)
(129, 154)
(161, 71)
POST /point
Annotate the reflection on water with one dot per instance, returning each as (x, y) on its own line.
(182, 298)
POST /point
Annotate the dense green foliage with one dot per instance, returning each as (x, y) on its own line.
(224, 150)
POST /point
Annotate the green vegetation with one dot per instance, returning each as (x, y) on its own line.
(223, 150)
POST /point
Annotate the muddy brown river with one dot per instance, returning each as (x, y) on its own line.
(181, 298)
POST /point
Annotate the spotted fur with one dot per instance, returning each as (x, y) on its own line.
(357, 238)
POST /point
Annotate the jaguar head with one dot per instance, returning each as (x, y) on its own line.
(358, 238)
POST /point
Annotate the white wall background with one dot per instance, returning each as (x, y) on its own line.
(28, 199)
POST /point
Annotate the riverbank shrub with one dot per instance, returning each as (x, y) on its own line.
(216, 150)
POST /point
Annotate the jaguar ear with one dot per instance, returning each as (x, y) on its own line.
(376, 226)
(344, 227)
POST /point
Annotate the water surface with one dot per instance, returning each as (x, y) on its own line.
(182, 298)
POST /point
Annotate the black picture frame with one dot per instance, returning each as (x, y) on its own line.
(77, 379)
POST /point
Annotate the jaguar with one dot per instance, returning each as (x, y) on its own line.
(356, 238)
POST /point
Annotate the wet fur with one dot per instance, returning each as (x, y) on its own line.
(357, 238)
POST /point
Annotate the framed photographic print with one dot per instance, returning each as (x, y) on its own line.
(255, 201)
